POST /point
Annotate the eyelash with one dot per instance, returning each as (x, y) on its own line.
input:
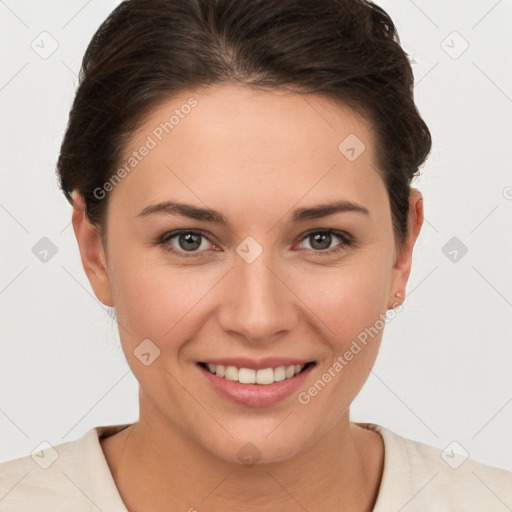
(347, 242)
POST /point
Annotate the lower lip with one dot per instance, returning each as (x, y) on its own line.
(256, 395)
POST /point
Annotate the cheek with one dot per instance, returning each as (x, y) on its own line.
(351, 308)
(156, 300)
(346, 300)
(350, 305)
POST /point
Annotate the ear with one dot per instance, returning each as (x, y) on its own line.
(92, 253)
(402, 266)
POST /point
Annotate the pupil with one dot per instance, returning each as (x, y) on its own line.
(190, 238)
(322, 237)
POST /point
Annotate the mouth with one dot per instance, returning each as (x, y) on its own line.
(257, 376)
(255, 384)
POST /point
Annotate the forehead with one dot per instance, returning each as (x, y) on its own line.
(210, 115)
(218, 141)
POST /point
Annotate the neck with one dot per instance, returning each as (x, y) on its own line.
(157, 466)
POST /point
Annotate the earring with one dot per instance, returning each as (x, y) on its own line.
(394, 305)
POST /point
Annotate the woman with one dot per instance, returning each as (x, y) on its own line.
(240, 175)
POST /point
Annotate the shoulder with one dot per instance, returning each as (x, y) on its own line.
(69, 476)
(420, 477)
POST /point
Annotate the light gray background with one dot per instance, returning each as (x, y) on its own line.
(444, 369)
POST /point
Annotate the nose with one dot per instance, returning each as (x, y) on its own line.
(259, 305)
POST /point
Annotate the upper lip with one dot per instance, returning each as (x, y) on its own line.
(257, 364)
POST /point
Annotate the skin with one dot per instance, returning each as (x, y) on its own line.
(254, 156)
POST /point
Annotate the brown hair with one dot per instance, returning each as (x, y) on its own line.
(148, 50)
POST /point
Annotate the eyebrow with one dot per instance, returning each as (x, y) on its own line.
(215, 217)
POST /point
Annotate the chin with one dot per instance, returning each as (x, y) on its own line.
(254, 444)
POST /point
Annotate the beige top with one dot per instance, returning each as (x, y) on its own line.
(74, 476)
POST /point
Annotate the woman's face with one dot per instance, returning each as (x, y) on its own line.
(272, 286)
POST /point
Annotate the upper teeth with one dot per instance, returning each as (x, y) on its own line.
(250, 376)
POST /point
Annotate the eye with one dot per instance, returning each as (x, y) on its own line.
(190, 243)
(321, 240)
(183, 242)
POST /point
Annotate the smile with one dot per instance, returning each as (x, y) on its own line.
(264, 376)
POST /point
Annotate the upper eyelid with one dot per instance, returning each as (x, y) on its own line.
(172, 234)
